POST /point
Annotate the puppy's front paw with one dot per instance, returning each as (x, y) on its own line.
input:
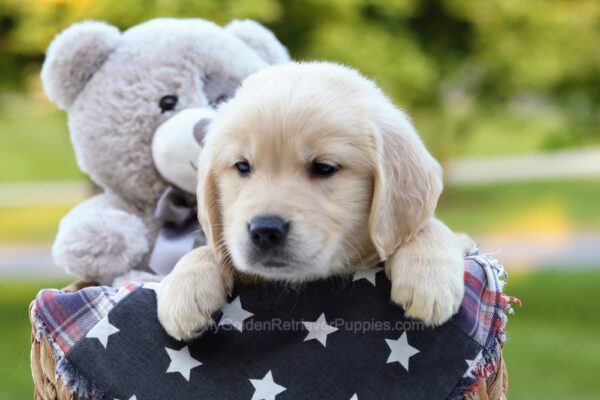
(189, 296)
(428, 289)
(186, 306)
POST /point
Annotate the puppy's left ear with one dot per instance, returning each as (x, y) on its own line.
(407, 181)
(259, 38)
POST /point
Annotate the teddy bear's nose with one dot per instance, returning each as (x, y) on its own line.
(200, 130)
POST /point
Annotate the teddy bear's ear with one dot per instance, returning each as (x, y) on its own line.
(74, 56)
(262, 40)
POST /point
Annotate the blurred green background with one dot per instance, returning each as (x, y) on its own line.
(515, 82)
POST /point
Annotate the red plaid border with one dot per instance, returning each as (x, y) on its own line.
(68, 317)
(482, 314)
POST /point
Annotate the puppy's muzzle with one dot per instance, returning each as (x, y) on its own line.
(268, 232)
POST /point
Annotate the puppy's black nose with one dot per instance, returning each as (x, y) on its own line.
(268, 232)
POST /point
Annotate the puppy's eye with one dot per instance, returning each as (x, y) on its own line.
(167, 103)
(243, 168)
(323, 170)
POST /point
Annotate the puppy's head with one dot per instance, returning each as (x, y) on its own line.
(310, 169)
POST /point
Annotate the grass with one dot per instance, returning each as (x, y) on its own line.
(552, 352)
(554, 339)
(36, 148)
(497, 131)
(537, 207)
(15, 331)
(31, 224)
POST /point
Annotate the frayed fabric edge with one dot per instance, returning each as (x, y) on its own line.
(76, 382)
(483, 369)
(486, 364)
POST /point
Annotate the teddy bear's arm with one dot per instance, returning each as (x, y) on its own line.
(99, 241)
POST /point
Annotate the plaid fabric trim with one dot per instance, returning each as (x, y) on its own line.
(68, 317)
(483, 315)
(482, 312)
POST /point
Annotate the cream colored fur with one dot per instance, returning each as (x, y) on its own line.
(379, 206)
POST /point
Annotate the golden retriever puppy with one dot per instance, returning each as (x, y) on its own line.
(310, 171)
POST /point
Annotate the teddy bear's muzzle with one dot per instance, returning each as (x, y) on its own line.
(177, 144)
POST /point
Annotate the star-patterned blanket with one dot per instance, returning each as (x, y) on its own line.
(334, 339)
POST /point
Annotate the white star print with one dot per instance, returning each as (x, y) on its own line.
(472, 362)
(131, 398)
(102, 331)
(366, 273)
(234, 314)
(182, 362)
(266, 388)
(355, 397)
(319, 330)
(401, 351)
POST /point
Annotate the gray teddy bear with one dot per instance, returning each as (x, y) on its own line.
(138, 105)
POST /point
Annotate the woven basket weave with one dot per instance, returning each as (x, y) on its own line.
(49, 387)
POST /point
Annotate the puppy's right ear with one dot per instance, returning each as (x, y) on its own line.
(209, 207)
(74, 56)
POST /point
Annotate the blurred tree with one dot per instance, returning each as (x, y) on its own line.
(449, 62)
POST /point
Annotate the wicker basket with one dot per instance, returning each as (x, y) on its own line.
(49, 387)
